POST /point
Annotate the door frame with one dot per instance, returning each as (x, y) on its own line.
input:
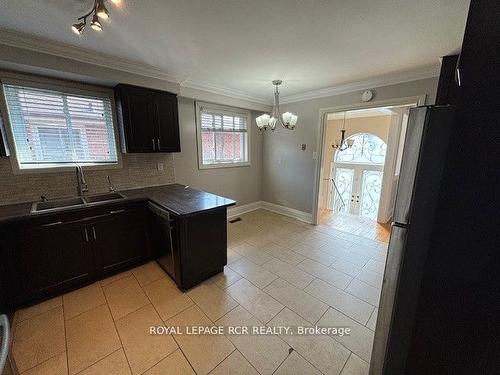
(417, 100)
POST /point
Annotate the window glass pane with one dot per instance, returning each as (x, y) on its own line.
(57, 127)
(366, 149)
(223, 137)
(342, 189)
(370, 193)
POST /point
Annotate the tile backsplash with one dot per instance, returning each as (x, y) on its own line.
(138, 170)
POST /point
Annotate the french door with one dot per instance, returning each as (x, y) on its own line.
(356, 188)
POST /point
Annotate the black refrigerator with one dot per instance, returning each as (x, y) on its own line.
(424, 156)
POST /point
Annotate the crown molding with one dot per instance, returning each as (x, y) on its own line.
(386, 80)
(236, 94)
(41, 45)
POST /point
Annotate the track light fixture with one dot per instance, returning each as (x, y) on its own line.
(99, 11)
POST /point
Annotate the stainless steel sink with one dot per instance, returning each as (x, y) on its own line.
(56, 204)
(59, 204)
(103, 197)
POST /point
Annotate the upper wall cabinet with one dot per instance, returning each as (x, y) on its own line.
(148, 120)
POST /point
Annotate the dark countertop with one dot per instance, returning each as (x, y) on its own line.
(175, 198)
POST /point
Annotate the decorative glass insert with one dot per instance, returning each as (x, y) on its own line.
(344, 179)
(366, 149)
(370, 193)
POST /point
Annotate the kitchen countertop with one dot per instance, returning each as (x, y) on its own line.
(176, 198)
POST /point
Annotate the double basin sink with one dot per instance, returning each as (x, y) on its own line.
(59, 204)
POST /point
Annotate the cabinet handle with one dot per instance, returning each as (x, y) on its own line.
(52, 224)
(86, 235)
(159, 147)
(93, 232)
(116, 212)
(154, 144)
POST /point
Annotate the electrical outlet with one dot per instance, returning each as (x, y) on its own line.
(159, 166)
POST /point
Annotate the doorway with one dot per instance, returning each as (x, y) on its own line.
(358, 179)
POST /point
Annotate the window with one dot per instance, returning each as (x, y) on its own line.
(366, 149)
(56, 128)
(222, 136)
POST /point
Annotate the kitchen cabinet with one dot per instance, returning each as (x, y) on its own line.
(148, 120)
(49, 256)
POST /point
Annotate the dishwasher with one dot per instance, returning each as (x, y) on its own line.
(162, 235)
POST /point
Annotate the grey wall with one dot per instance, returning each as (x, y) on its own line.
(242, 184)
(288, 172)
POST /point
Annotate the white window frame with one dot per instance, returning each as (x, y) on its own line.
(8, 78)
(199, 106)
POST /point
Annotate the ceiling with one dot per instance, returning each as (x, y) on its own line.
(242, 45)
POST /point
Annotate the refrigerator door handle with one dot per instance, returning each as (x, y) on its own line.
(4, 348)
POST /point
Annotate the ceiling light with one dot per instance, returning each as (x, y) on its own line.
(78, 27)
(288, 120)
(101, 10)
(116, 1)
(96, 24)
(98, 10)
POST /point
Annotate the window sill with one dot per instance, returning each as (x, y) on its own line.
(223, 165)
(55, 168)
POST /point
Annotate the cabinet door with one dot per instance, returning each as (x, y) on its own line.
(119, 240)
(167, 122)
(47, 259)
(138, 119)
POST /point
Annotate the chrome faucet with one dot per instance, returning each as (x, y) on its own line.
(80, 180)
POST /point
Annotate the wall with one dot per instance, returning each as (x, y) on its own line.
(288, 173)
(242, 184)
(138, 170)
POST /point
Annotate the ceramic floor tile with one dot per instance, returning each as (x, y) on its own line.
(143, 350)
(346, 267)
(283, 254)
(297, 365)
(264, 352)
(124, 296)
(292, 274)
(91, 336)
(253, 253)
(258, 303)
(372, 322)
(114, 278)
(147, 273)
(54, 366)
(314, 254)
(213, 301)
(39, 338)
(82, 300)
(235, 364)
(352, 306)
(204, 352)
(253, 272)
(232, 256)
(355, 366)
(38, 309)
(364, 291)
(114, 364)
(322, 351)
(174, 364)
(370, 277)
(167, 298)
(297, 300)
(330, 275)
(226, 278)
(360, 340)
(375, 266)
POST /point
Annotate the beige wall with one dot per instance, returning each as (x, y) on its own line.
(240, 183)
(288, 172)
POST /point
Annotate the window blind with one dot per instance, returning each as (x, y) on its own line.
(54, 127)
(224, 137)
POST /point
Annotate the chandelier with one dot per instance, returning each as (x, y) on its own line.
(99, 11)
(343, 144)
(287, 119)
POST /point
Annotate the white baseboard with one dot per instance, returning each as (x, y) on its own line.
(233, 212)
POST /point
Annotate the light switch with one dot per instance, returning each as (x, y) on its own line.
(315, 155)
(160, 166)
